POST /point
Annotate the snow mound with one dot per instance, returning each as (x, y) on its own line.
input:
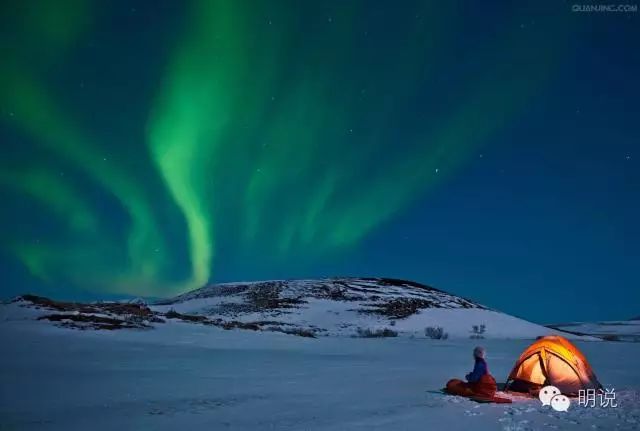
(350, 307)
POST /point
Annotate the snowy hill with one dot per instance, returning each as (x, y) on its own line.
(618, 330)
(348, 306)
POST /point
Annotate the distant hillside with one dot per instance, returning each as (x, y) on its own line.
(619, 330)
(347, 306)
(360, 307)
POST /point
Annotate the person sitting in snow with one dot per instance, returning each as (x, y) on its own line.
(480, 368)
(480, 383)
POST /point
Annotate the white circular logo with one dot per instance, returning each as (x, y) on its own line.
(560, 403)
(547, 393)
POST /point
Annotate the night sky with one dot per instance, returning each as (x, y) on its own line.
(489, 150)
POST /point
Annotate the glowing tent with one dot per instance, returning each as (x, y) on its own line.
(552, 360)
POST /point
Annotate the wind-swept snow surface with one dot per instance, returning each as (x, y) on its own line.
(194, 377)
(619, 330)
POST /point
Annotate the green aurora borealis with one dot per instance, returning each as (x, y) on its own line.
(273, 129)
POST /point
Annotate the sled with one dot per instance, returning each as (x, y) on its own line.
(495, 399)
(479, 399)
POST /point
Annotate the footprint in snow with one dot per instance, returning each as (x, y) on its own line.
(516, 426)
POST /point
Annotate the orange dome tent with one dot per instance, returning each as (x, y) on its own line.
(552, 360)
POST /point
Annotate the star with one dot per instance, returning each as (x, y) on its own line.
(628, 157)
(437, 170)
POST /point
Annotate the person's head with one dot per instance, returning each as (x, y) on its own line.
(478, 352)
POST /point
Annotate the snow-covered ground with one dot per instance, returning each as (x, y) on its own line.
(188, 376)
